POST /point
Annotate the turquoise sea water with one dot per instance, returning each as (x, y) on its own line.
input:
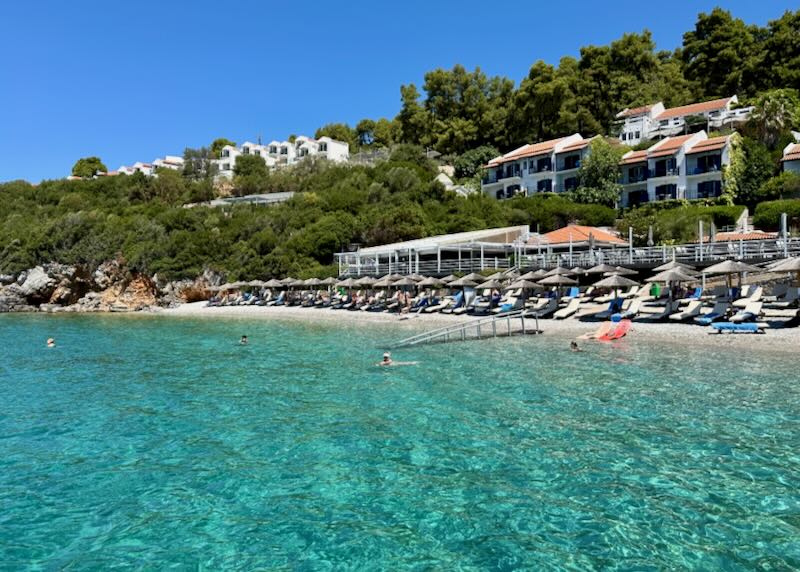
(157, 443)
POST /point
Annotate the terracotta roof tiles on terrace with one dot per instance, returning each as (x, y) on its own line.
(694, 108)
(668, 146)
(575, 146)
(635, 111)
(634, 157)
(712, 144)
(530, 150)
(792, 154)
(578, 234)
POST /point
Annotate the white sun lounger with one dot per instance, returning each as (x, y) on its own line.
(691, 311)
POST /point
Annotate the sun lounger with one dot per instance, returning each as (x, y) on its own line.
(458, 301)
(788, 299)
(632, 310)
(691, 312)
(568, 310)
(550, 307)
(748, 314)
(509, 305)
(718, 312)
(613, 308)
(630, 293)
(731, 327)
(669, 309)
(754, 295)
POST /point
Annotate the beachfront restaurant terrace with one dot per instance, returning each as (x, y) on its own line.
(438, 255)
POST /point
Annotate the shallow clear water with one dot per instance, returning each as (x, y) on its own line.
(149, 443)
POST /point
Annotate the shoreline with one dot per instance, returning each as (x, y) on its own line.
(689, 335)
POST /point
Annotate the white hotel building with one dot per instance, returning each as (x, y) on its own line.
(549, 166)
(282, 153)
(654, 121)
(791, 158)
(683, 167)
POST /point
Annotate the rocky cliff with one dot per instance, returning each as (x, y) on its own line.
(111, 287)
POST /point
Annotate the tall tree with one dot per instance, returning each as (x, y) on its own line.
(598, 175)
(339, 132)
(717, 52)
(88, 167)
(218, 144)
(778, 63)
(776, 113)
(412, 117)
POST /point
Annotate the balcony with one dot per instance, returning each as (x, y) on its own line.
(569, 166)
(655, 173)
(633, 179)
(704, 170)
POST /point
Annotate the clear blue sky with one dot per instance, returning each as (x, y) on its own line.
(132, 81)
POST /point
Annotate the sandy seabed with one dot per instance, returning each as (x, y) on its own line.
(653, 334)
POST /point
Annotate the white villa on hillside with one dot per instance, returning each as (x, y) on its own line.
(549, 166)
(169, 162)
(683, 167)
(654, 121)
(281, 153)
(791, 158)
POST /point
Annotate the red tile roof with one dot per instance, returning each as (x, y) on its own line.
(792, 154)
(579, 234)
(668, 146)
(635, 111)
(753, 235)
(576, 146)
(530, 150)
(634, 157)
(711, 144)
(694, 108)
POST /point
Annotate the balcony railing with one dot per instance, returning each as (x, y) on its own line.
(569, 166)
(703, 170)
(632, 180)
(653, 173)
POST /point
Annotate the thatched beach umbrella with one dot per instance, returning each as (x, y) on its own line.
(620, 271)
(533, 275)
(557, 280)
(785, 265)
(365, 281)
(431, 282)
(490, 285)
(273, 283)
(346, 283)
(384, 282)
(600, 269)
(463, 283)
(559, 270)
(522, 285)
(449, 278)
(577, 271)
(673, 264)
(288, 280)
(312, 282)
(407, 281)
(329, 281)
(475, 277)
(730, 267)
(496, 276)
(616, 281)
(675, 275)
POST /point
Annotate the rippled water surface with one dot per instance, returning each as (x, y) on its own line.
(153, 443)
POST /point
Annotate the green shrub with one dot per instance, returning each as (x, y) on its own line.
(768, 214)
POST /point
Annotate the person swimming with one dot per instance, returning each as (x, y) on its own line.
(243, 341)
(51, 342)
(387, 359)
(573, 346)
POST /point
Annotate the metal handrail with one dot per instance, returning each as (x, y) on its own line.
(461, 327)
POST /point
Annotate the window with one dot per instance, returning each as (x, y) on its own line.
(571, 162)
(637, 198)
(624, 136)
(709, 189)
(543, 165)
(663, 123)
(676, 121)
(284, 150)
(226, 166)
(637, 135)
(666, 192)
(226, 152)
(544, 186)
(570, 184)
(246, 150)
(273, 149)
(323, 147)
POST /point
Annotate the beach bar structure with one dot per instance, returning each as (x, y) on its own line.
(570, 246)
(439, 255)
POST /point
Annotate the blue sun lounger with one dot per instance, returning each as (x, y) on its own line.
(734, 328)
